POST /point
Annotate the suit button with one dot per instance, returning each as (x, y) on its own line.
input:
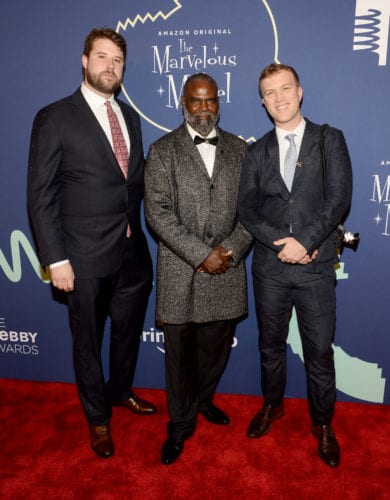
(291, 200)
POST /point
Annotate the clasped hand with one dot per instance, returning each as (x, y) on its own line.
(293, 252)
(217, 262)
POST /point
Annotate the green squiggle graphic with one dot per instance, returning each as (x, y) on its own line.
(14, 271)
(356, 377)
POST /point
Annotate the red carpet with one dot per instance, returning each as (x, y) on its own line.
(45, 454)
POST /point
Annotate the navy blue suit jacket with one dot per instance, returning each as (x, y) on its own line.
(79, 201)
(266, 207)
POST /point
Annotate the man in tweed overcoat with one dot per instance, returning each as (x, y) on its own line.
(191, 189)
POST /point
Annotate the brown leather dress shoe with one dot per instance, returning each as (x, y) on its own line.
(137, 405)
(328, 447)
(261, 423)
(101, 441)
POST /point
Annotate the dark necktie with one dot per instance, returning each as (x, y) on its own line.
(199, 140)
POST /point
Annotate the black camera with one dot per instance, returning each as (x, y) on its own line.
(346, 238)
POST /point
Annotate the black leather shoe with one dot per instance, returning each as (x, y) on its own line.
(136, 405)
(215, 415)
(328, 447)
(101, 441)
(171, 450)
(261, 423)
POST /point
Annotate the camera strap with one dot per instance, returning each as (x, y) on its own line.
(323, 159)
(339, 231)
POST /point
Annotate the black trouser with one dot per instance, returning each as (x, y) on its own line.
(122, 297)
(313, 296)
(195, 358)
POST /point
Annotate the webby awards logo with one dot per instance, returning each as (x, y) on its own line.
(17, 342)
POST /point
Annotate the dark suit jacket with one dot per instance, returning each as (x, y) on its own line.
(79, 201)
(266, 207)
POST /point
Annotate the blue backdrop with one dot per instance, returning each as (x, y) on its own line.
(340, 51)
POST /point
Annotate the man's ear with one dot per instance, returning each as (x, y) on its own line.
(300, 93)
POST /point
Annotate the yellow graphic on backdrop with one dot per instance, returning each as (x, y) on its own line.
(148, 17)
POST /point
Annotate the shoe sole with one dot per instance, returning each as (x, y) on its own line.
(326, 462)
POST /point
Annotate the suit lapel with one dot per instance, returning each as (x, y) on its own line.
(307, 150)
(189, 148)
(222, 157)
(97, 134)
(130, 131)
(273, 160)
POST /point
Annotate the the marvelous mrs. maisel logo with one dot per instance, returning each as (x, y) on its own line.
(176, 61)
(381, 197)
(170, 57)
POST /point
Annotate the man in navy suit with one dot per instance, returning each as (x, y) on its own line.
(292, 212)
(84, 204)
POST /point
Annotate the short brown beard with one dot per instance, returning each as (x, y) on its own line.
(97, 83)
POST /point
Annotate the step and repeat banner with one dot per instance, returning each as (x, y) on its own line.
(340, 50)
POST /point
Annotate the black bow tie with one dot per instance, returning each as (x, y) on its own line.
(199, 140)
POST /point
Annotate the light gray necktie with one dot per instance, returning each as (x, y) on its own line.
(290, 161)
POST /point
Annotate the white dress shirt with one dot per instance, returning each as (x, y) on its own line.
(284, 143)
(206, 150)
(98, 107)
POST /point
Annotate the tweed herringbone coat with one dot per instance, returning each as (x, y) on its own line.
(191, 213)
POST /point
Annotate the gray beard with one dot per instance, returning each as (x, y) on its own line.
(202, 128)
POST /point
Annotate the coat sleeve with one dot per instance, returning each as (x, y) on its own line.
(239, 242)
(161, 213)
(43, 188)
(338, 195)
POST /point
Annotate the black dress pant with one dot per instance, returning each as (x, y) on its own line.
(313, 296)
(195, 358)
(122, 297)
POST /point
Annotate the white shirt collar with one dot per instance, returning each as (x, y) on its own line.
(193, 132)
(95, 100)
(298, 131)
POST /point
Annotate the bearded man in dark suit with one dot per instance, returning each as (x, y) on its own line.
(293, 211)
(191, 186)
(85, 187)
